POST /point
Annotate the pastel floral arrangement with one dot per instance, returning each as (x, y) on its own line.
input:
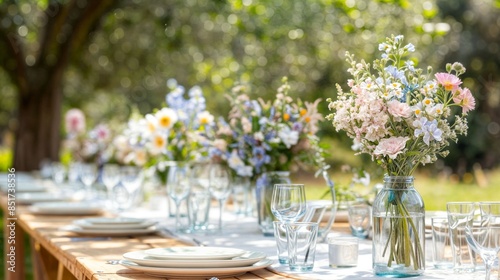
(260, 136)
(403, 117)
(400, 115)
(83, 145)
(175, 132)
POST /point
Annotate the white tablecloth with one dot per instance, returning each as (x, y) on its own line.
(244, 233)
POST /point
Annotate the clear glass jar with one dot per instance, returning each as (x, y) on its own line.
(398, 229)
(264, 193)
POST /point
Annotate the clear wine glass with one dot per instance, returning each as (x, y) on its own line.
(131, 179)
(220, 186)
(178, 188)
(74, 172)
(288, 203)
(88, 176)
(484, 236)
(110, 178)
(58, 172)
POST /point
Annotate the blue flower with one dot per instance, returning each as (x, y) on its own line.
(429, 130)
(259, 158)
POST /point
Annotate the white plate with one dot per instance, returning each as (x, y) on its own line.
(109, 232)
(66, 208)
(248, 258)
(25, 187)
(87, 224)
(34, 197)
(194, 253)
(115, 221)
(189, 273)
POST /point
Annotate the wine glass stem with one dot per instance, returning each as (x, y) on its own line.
(177, 220)
(488, 270)
(221, 205)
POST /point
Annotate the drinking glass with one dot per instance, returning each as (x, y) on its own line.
(73, 172)
(288, 202)
(484, 236)
(461, 215)
(178, 189)
(131, 179)
(58, 172)
(199, 198)
(88, 175)
(242, 196)
(301, 239)
(110, 178)
(220, 186)
(359, 216)
(442, 255)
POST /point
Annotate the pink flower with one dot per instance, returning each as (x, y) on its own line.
(448, 81)
(75, 121)
(391, 147)
(464, 98)
(101, 133)
(398, 109)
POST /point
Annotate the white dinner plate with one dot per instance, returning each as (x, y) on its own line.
(22, 187)
(109, 232)
(248, 258)
(34, 197)
(194, 253)
(189, 273)
(115, 221)
(88, 224)
(66, 208)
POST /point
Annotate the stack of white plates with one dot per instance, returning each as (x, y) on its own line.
(191, 262)
(36, 197)
(112, 226)
(66, 208)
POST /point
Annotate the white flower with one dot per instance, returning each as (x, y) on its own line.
(158, 144)
(288, 136)
(234, 161)
(166, 118)
(205, 118)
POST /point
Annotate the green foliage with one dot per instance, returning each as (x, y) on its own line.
(216, 44)
(5, 159)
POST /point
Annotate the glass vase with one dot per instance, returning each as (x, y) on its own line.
(398, 229)
(264, 192)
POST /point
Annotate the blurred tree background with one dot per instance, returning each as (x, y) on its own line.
(136, 46)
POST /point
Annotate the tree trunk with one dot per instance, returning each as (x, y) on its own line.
(38, 131)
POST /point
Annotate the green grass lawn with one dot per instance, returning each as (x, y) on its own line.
(435, 190)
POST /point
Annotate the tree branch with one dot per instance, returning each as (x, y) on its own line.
(12, 54)
(85, 22)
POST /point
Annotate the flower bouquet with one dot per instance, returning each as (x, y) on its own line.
(266, 140)
(83, 145)
(173, 133)
(403, 117)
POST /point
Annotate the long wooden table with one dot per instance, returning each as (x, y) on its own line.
(62, 255)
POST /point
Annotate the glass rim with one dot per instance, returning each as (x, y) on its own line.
(460, 202)
(489, 202)
(303, 223)
(289, 185)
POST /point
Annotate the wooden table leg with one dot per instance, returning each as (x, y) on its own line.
(45, 265)
(13, 250)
